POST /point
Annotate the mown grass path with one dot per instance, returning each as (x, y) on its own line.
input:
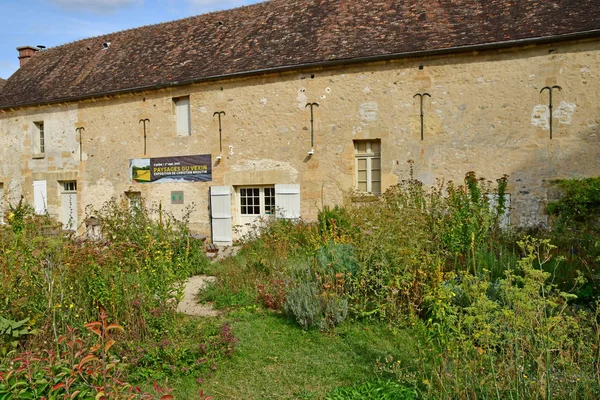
(275, 359)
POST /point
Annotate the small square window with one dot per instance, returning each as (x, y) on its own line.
(182, 115)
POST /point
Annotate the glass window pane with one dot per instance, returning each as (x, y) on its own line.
(361, 146)
(362, 164)
(244, 210)
(256, 192)
(256, 210)
(362, 176)
(362, 186)
(375, 146)
(376, 187)
(376, 175)
(375, 163)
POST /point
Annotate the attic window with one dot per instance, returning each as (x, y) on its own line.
(105, 45)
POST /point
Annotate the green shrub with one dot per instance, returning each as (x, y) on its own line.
(337, 257)
(302, 302)
(523, 341)
(579, 206)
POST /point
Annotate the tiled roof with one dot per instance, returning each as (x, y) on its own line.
(2, 83)
(284, 33)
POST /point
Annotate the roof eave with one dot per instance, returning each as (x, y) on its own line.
(323, 64)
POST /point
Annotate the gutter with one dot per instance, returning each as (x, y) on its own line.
(325, 64)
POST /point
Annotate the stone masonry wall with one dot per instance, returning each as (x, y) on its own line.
(485, 114)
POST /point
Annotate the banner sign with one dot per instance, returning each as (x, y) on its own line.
(196, 168)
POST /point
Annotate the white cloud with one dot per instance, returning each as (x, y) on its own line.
(95, 6)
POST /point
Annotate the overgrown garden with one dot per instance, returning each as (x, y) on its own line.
(484, 311)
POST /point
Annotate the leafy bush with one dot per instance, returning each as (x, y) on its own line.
(519, 340)
(579, 206)
(73, 370)
(12, 332)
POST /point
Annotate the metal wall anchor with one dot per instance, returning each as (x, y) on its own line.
(219, 113)
(81, 128)
(144, 120)
(421, 95)
(550, 89)
(312, 134)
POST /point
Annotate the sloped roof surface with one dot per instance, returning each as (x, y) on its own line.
(2, 82)
(282, 33)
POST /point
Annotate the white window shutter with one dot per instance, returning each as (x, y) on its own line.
(40, 197)
(182, 115)
(220, 212)
(287, 201)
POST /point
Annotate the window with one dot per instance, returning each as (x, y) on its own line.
(39, 140)
(69, 205)
(135, 201)
(257, 201)
(182, 115)
(368, 166)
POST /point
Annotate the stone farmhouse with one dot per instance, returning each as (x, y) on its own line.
(286, 106)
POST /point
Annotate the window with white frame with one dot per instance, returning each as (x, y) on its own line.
(39, 139)
(182, 115)
(367, 168)
(257, 201)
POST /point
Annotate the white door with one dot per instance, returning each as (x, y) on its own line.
(287, 198)
(69, 205)
(40, 197)
(255, 204)
(220, 212)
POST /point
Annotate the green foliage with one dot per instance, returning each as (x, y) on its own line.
(12, 332)
(135, 271)
(18, 215)
(514, 339)
(73, 370)
(337, 257)
(579, 206)
(378, 389)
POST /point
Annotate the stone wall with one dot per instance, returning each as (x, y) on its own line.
(485, 114)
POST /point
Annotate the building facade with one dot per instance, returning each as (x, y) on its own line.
(267, 128)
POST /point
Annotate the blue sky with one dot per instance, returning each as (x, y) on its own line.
(55, 22)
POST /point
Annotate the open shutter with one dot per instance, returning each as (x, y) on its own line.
(40, 197)
(287, 201)
(220, 212)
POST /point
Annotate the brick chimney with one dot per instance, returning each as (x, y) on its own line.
(25, 53)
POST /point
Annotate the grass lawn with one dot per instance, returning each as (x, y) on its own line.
(275, 359)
